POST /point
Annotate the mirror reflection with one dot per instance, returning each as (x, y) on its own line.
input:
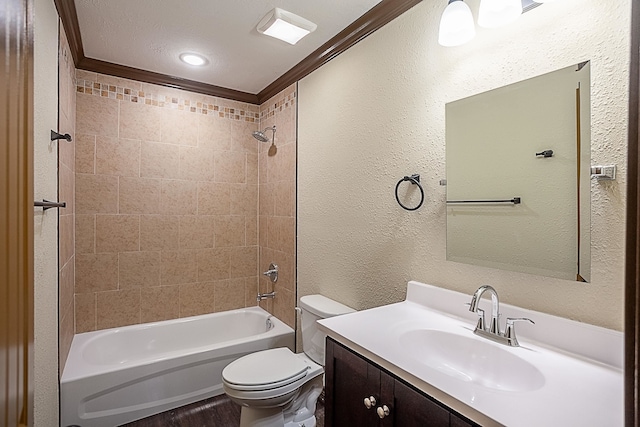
(518, 183)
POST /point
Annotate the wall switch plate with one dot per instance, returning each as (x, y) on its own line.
(603, 172)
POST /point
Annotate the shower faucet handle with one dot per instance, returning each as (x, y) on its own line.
(272, 272)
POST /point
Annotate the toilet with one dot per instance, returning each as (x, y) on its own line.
(277, 387)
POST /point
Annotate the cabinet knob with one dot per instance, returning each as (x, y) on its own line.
(383, 411)
(369, 402)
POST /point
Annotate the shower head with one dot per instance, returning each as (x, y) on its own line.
(260, 136)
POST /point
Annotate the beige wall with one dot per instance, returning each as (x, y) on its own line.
(278, 204)
(376, 113)
(45, 370)
(66, 181)
(166, 203)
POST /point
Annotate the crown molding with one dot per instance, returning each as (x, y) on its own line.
(383, 13)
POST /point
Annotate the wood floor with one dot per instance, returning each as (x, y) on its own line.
(218, 411)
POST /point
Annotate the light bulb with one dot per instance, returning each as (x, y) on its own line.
(456, 24)
(496, 13)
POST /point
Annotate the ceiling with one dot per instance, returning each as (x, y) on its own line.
(149, 35)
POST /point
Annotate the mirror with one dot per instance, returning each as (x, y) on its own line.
(518, 176)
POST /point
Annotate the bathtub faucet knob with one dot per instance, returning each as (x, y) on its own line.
(265, 296)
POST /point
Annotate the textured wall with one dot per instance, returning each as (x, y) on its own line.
(166, 203)
(277, 176)
(66, 183)
(45, 153)
(376, 113)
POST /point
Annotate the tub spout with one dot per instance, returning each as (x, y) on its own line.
(265, 296)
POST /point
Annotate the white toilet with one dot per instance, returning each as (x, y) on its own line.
(277, 387)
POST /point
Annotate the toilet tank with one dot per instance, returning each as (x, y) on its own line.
(313, 308)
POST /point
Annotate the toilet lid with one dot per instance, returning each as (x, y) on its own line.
(265, 370)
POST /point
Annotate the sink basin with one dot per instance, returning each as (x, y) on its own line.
(471, 359)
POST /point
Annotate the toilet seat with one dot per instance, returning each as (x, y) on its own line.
(265, 370)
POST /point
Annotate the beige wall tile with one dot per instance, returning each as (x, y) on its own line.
(96, 194)
(250, 291)
(214, 132)
(117, 308)
(179, 197)
(85, 151)
(244, 261)
(65, 337)
(229, 231)
(267, 199)
(139, 121)
(96, 115)
(286, 270)
(85, 312)
(230, 166)
(159, 160)
(251, 230)
(213, 264)
(252, 169)
(281, 234)
(66, 189)
(67, 150)
(117, 81)
(117, 156)
(65, 238)
(179, 267)
(229, 294)
(263, 231)
(117, 233)
(244, 199)
(196, 299)
(242, 139)
(138, 269)
(85, 234)
(284, 306)
(86, 75)
(196, 232)
(65, 294)
(214, 198)
(284, 199)
(179, 127)
(196, 164)
(96, 272)
(159, 232)
(159, 303)
(139, 196)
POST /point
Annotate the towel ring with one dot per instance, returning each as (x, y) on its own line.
(415, 180)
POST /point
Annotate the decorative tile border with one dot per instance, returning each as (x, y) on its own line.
(271, 109)
(138, 96)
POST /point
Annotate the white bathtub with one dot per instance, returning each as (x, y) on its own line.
(119, 375)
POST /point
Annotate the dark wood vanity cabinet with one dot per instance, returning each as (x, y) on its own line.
(350, 378)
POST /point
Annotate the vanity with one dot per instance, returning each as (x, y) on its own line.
(419, 363)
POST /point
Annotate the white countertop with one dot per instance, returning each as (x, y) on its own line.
(581, 382)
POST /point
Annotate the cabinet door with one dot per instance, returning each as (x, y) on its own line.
(409, 408)
(349, 379)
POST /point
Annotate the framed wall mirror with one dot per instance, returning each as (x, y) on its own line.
(518, 176)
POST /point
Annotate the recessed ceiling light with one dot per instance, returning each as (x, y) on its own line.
(193, 59)
(285, 26)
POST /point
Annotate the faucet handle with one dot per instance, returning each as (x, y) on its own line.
(481, 320)
(510, 331)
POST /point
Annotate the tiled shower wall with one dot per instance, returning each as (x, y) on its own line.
(166, 203)
(66, 171)
(277, 208)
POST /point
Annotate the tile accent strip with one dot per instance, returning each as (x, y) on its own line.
(139, 96)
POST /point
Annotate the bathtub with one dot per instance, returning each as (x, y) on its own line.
(119, 375)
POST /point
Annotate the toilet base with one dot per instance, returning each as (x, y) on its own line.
(262, 417)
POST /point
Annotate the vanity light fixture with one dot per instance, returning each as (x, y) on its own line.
(456, 24)
(285, 26)
(193, 59)
(497, 13)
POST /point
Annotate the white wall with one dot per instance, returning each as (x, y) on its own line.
(376, 113)
(45, 224)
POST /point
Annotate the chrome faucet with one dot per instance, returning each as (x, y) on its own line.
(493, 333)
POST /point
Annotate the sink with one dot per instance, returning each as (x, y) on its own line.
(471, 359)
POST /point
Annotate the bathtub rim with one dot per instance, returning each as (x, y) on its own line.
(77, 368)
